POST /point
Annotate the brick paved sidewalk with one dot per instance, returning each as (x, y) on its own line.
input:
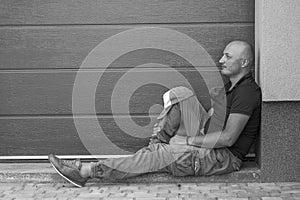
(217, 191)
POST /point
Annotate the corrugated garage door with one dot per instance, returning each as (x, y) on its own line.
(44, 43)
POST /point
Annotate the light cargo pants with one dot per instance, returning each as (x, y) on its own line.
(178, 160)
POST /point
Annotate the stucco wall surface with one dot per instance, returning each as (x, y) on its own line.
(279, 147)
(278, 39)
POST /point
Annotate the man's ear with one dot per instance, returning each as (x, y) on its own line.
(245, 63)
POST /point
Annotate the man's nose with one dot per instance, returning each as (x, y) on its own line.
(221, 60)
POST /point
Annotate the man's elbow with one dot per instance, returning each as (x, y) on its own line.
(228, 141)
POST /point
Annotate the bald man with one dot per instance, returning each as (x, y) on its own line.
(181, 144)
(243, 97)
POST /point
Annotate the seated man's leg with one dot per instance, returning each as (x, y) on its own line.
(189, 112)
(194, 116)
(153, 158)
(217, 161)
(205, 162)
(169, 124)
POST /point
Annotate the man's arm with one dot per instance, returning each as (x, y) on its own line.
(226, 138)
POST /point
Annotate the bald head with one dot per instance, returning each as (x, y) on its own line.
(243, 49)
(237, 59)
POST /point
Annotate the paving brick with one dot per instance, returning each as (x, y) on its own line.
(126, 191)
(295, 187)
(118, 198)
(187, 185)
(202, 198)
(151, 198)
(249, 194)
(66, 196)
(230, 187)
(268, 184)
(283, 195)
(254, 184)
(44, 196)
(168, 195)
(216, 195)
(282, 188)
(129, 187)
(218, 191)
(196, 190)
(287, 183)
(271, 188)
(19, 196)
(296, 194)
(238, 184)
(162, 189)
(160, 185)
(142, 195)
(6, 187)
(208, 187)
(112, 188)
(257, 192)
(212, 184)
(254, 198)
(292, 198)
(272, 191)
(186, 192)
(117, 195)
(7, 192)
(291, 191)
(231, 198)
(92, 195)
(198, 196)
(235, 190)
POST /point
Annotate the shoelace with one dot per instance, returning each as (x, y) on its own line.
(71, 163)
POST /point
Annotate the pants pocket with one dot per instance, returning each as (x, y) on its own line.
(219, 161)
(183, 166)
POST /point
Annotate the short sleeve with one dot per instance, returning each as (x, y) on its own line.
(245, 100)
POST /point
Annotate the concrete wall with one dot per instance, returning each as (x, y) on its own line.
(278, 66)
(278, 39)
(279, 148)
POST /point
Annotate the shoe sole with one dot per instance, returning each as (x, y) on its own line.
(77, 185)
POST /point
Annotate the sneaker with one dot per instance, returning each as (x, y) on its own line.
(68, 169)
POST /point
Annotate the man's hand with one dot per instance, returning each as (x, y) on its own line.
(156, 129)
(215, 91)
(153, 138)
(154, 141)
(178, 140)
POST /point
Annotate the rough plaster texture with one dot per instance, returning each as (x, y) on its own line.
(278, 40)
(279, 148)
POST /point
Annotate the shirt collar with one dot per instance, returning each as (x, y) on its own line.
(228, 85)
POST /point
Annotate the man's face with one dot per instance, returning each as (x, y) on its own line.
(231, 60)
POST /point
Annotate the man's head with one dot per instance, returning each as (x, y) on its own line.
(237, 59)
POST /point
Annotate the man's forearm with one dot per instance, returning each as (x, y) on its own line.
(211, 140)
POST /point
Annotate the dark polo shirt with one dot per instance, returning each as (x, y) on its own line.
(245, 98)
